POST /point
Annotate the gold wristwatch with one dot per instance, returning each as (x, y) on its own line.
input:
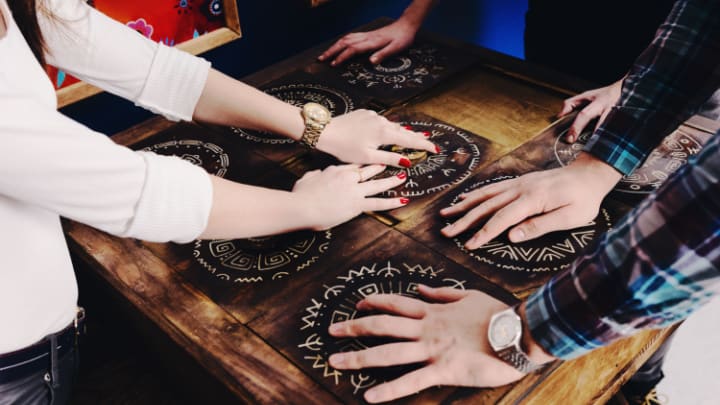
(316, 118)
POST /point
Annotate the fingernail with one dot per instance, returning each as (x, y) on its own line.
(405, 162)
(408, 127)
(401, 175)
(517, 235)
(337, 359)
(404, 201)
(447, 229)
(333, 63)
(427, 134)
(373, 59)
(334, 328)
(321, 57)
(437, 149)
(370, 396)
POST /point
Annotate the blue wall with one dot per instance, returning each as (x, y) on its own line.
(273, 32)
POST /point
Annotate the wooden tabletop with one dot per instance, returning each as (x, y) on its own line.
(254, 313)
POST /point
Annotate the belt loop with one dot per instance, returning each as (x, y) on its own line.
(54, 372)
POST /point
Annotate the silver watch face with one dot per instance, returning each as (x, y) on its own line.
(504, 330)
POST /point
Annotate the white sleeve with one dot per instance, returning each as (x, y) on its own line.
(57, 164)
(91, 46)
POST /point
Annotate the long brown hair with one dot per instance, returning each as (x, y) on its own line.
(24, 13)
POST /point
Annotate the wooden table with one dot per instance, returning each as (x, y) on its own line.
(253, 313)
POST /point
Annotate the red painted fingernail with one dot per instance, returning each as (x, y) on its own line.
(405, 162)
(408, 127)
(404, 201)
(401, 175)
(427, 134)
(437, 149)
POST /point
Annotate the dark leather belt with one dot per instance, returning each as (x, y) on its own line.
(35, 358)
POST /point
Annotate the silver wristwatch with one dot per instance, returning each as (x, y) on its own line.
(505, 337)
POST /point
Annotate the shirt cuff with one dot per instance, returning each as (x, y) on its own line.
(174, 84)
(175, 201)
(547, 328)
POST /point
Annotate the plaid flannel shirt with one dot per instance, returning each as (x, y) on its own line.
(662, 261)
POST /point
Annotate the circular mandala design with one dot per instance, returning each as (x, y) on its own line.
(420, 64)
(261, 259)
(207, 155)
(336, 101)
(550, 253)
(663, 161)
(336, 303)
(459, 156)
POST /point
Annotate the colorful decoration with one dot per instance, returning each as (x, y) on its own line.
(166, 21)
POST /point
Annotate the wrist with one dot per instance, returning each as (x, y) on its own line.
(534, 351)
(603, 174)
(296, 125)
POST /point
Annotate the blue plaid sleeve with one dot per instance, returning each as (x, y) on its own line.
(668, 83)
(659, 265)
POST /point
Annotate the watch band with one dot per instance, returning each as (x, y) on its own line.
(518, 359)
(310, 136)
(511, 352)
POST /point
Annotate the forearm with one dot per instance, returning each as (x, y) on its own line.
(417, 11)
(242, 211)
(655, 268)
(227, 101)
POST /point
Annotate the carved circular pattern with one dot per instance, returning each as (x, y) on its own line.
(261, 259)
(663, 161)
(420, 64)
(459, 156)
(207, 155)
(552, 252)
(336, 101)
(336, 303)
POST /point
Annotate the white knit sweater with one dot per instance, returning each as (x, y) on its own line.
(51, 166)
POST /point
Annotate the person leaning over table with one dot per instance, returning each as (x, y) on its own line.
(54, 167)
(660, 264)
(655, 268)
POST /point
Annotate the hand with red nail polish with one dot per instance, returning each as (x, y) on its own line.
(340, 193)
(356, 137)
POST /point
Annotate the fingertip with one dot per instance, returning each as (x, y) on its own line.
(371, 396)
(517, 235)
(448, 231)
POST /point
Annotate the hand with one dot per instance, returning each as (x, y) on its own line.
(541, 202)
(356, 136)
(339, 193)
(450, 337)
(601, 101)
(389, 40)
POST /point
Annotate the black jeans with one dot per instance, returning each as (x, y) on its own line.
(39, 389)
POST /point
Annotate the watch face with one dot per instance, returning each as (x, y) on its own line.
(504, 330)
(317, 112)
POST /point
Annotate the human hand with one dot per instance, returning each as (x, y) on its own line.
(339, 193)
(538, 202)
(389, 40)
(355, 138)
(450, 337)
(600, 102)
